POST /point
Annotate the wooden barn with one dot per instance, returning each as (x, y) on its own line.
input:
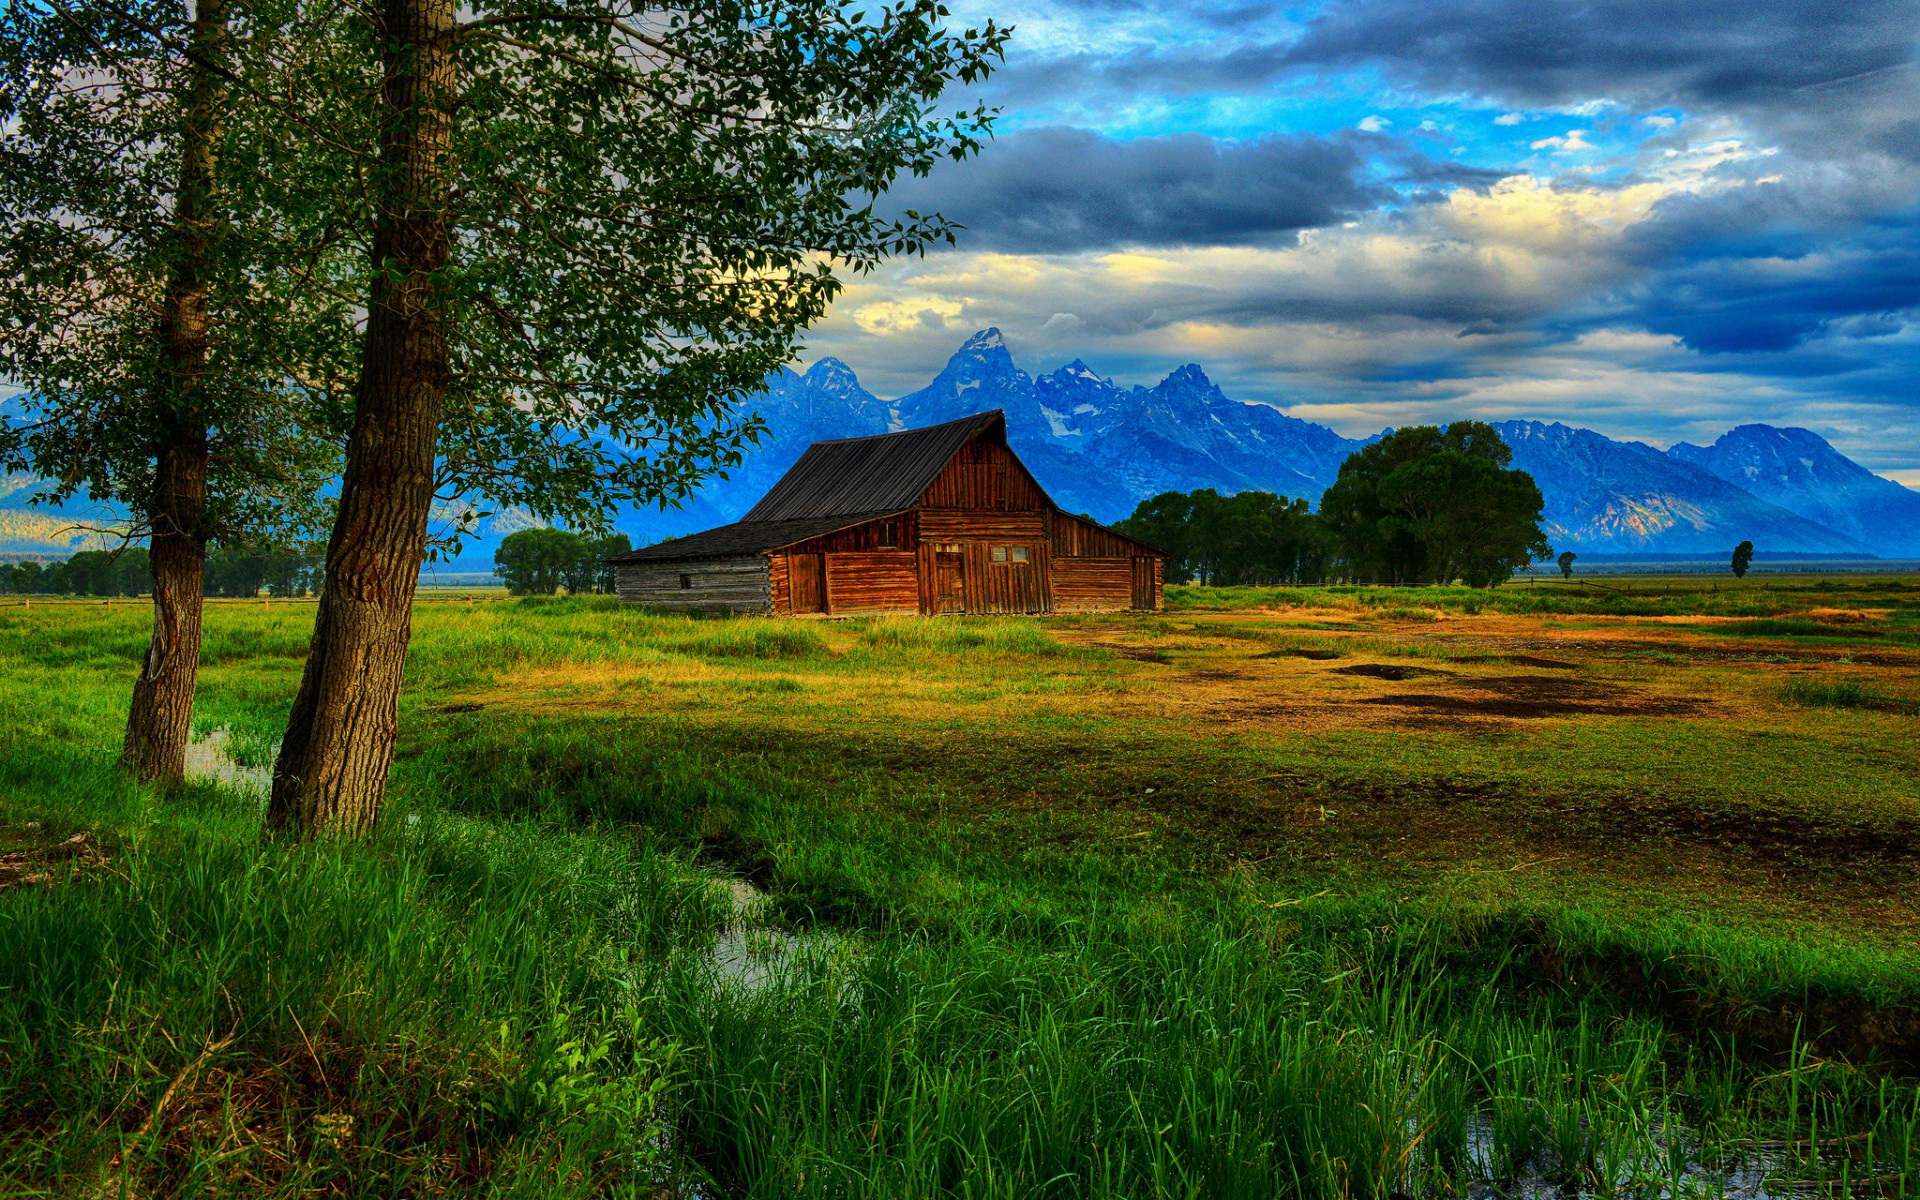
(938, 520)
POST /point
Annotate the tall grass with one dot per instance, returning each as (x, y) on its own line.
(450, 1007)
(509, 991)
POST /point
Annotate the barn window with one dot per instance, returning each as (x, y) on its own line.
(686, 582)
(1017, 553)
(999, 554)
(889, 535)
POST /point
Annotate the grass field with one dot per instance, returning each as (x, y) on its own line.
(1320, 892)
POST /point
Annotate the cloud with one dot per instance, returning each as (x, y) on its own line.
(1059, 190)
(1373, 124)
(1572, 141)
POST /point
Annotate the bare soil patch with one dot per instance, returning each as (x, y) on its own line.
(1547, 664)
(1531, 696)
(1391, 671)
(1136, 653)
(1299, 652)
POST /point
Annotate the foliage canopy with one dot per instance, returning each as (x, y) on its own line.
(1431, 505)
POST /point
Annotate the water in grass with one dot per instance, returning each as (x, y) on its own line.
(752, 953)
(211, 758)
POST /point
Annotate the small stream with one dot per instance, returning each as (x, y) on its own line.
(751, 953)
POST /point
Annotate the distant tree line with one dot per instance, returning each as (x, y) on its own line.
(229, 572)
(1423, 505)
(1254, 538)
(542, 562)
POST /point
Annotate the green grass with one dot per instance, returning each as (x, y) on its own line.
(1075, 952)
(1844, 693)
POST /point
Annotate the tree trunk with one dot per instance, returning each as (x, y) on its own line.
(161, 714)
(331, 775)
(159, 719)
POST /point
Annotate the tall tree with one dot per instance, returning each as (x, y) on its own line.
(1566, 560)
(158, 366)
(1742, 559)
(595, 225)
(1426, 504)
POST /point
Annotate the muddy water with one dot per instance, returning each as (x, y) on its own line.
(211, 758)
(751, 953)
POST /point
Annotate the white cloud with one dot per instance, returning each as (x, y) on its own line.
(1373, 124)
(1574, 140)
(1508, 119)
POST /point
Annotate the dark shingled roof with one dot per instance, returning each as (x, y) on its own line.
(885, 473)
(744, 538)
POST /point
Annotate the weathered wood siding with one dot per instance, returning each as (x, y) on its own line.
(807, 583)
(873, 581)
(867, 536)
(984, 475)
(779, 584)
(1001, 528)
(739, 585)
(1073, 537)
(1006, 587)
(1092, 584)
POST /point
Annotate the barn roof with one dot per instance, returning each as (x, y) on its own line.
(744, 538)
(884, 473)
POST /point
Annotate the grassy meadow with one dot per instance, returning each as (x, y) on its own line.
(1328, 892)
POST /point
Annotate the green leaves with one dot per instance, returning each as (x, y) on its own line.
(1425, 504)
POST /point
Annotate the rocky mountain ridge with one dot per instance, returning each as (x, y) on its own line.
(1100, 447)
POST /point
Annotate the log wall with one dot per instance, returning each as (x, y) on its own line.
(1092, 584)
(1002, 528)
(740, 585)
(867, 536)
(1076, 538)
(873, 581)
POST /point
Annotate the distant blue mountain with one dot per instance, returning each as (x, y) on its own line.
(1100, 448)
(1797, 470)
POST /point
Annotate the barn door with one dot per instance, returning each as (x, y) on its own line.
(808, 579)
(1143, 583)
(949, 583)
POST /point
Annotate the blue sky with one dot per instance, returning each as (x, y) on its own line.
(1652, 219)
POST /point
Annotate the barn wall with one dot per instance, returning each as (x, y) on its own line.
(984, 475)
(718, 585)
(1001, 528)
(780, 597)
(1083, 539)
(862, 537)
(1006, 587)
(1092, 584)
(873, 581)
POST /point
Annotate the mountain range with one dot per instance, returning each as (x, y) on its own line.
(1099, 447)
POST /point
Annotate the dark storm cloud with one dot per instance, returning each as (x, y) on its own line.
(1059, 190)
(1815, 72)
(1552, 53)
(1855, 288)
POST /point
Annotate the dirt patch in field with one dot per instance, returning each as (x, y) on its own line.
(1391, 671)
(1296, 652)
(1136, 653)
(1546, 664)
(1219, 675)
(1531, 696)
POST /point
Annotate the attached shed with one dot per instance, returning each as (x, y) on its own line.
(944, 519)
